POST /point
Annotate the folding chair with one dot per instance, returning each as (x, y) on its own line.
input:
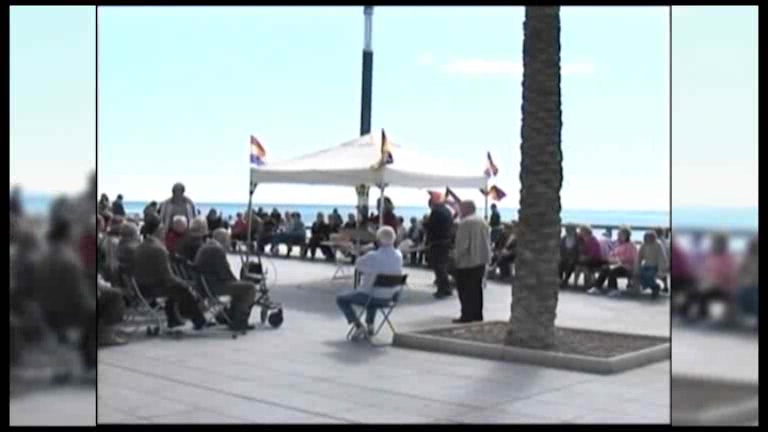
(213, 306)
(385, 305)
(144, 308)
(216, 307)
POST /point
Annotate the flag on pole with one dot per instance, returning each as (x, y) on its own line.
(491, 170)
(258, 154)
(452, 200)
(495, 193)
(386, 150)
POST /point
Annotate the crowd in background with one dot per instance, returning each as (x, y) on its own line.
(652, 264)
(704, 278)
(52, 298)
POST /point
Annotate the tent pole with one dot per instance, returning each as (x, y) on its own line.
(250, 220)
(381, 205)
(486, 200)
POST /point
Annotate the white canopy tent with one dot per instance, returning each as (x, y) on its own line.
(355, 162)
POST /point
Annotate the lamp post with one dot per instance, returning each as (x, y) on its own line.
(365, 107)
(365, 102)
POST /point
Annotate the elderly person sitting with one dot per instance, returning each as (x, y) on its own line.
(295, 234)
(110, 313)
(152, 271)
(194, 238)
(385, 260)
(211, 262)
(177, 231)
(126, 248)
(61, 288)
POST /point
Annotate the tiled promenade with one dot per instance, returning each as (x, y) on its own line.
(306, 372)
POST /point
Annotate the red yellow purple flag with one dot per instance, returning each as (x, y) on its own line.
(258, 154)
(491, 170)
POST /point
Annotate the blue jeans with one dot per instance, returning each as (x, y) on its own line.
(346, 301)
(647, 276)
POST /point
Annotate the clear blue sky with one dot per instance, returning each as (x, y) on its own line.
(181, 89)
(52, 97)
(714, 106)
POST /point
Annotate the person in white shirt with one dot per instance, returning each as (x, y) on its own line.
(472, 251)
(385, 260)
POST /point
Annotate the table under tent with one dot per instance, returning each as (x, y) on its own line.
(356, 164)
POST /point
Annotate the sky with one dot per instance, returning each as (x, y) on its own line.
(52, 97)
(714, 106)
(181, 90)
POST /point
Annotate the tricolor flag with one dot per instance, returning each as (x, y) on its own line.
(491, 170)
(495, 193)
(258, 154)
(386, 150)
(452, 200)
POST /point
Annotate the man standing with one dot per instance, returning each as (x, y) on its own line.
(495, 223)
(177, 205)
(472, 253)
(439, 241)
(117, 206)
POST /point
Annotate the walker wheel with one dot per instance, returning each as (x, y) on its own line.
(276, 318)
(234, 336)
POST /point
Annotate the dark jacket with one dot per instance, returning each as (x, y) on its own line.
(572, 253)
(188, 246)
(211, 262)
(126, 255)
(118, 209)
(321, 231)
(440, 226)
(61, 289)
(152, 266)
(495, 220)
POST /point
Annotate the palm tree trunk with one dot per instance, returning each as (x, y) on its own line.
(536, 284)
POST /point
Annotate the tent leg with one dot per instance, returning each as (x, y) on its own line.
(381, 205)
(250, 221)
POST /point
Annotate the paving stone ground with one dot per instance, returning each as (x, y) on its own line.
(306, 372)
(66, 406)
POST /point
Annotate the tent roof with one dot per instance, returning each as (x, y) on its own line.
(353, 163)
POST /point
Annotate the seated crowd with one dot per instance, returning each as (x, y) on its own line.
(51, 293)
(704, 278)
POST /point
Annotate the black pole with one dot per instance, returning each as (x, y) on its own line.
(365, 105)
(367, 90)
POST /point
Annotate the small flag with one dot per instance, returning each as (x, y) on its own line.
(496, 194)
(452, 200)
(386, 150)
(258, 154)
(491, 170)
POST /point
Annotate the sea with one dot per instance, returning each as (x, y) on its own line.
(728, 219)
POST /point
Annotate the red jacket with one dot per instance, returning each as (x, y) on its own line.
(240, 227)
(171, 239)
(88, 251)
